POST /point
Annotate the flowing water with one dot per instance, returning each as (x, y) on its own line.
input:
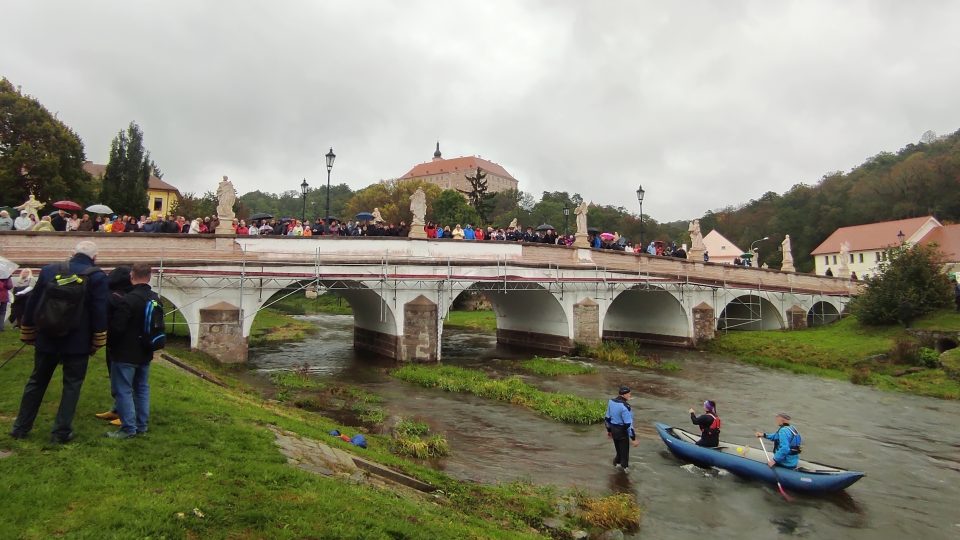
(907, 445)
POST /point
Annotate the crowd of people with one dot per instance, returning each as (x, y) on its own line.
(63, 221)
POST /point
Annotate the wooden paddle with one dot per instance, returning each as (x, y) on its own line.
(774, 469)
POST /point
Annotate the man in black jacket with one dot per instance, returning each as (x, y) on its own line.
(72, 349)
(130, 360)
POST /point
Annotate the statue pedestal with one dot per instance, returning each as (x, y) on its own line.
(787, 266)
(695, 255)
(416, 230)
(225, 228)
(581, 240)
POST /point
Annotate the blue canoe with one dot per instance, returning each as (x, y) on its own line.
(808, 477)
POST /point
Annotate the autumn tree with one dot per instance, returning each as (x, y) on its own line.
(392, 198)
(910, 283)
(38, 153)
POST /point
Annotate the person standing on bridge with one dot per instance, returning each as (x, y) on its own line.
(73, 349)
(619, 420)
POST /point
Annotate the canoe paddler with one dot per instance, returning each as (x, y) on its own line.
(709, 424)
(786, 443)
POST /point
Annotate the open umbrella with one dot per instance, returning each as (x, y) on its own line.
(99, 209)
(332, 218)
(364, 216)
(593, 230)
(7, 267)
(262, 215)
(67, 205)
(606, 237)
(546, 227)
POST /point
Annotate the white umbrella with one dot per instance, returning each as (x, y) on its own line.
(99, 209)
(7, 267)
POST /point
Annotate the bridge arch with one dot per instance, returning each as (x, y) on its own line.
(529, 316)
(822, 313)
(750, 312)
(650, 315)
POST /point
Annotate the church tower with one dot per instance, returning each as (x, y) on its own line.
(436, 154)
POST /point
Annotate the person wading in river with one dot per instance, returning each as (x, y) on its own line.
(619, 420)
(786, 443)
(709, 424)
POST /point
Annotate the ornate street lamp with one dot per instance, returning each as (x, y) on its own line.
(566, 219)
(303, 195)
(326, 219)
(640, 193)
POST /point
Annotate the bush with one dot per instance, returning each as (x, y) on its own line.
(904, 350)
(619, 511)
(928, 357)
(861, 376)
(908, 285)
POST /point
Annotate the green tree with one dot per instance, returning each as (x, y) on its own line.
(38, 153)
(127, 175)
(910, 283)
(478, 196)
(192, 206)
(450, 208)
(393, 200)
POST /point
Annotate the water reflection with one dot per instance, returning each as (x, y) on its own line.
(906, 444)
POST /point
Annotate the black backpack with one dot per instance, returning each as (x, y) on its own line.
(153, 336)
(61, 306)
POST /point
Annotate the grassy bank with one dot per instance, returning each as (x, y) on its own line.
(846, 350)
(209, 468)
(553, 367)
(482, 320)
(297, 303)
(627, 353)
(562, 407)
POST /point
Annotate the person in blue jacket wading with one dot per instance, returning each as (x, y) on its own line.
(619, 420)
(786, 443)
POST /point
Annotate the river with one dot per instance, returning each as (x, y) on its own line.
(907, 445)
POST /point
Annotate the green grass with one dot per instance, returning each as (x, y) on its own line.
(272, 326)
(481, 320)
(552, 367)
(208, 448)
(939, 320)
(840, 351)
(297, 303)
(295, 380)
(561, 407)
(410, 439)
(626, 353)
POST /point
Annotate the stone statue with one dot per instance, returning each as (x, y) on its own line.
(697, 249)
(844, 270)
(513, 224)
(377, 218)
(31, 206)
(418, 205)
(581, 212)
(226, 196)
(787, 265)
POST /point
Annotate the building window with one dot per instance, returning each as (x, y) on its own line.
(861, 257)
(878, 256)
(851, 258)
(826, 259)
(834, 259)
(157, 204)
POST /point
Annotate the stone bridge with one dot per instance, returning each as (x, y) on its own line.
(545, 297)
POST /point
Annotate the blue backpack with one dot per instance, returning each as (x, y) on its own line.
(153, 336)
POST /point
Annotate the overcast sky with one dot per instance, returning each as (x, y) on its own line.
(705, 104)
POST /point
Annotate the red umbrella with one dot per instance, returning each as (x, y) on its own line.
(67, 205)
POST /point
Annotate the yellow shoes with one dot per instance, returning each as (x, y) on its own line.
(109, 415)
(116, 422)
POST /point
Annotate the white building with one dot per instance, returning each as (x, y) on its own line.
(721, 249)
(868, 245)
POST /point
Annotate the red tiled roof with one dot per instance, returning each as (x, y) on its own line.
(96, 170)
(468, 163)
(871, 235)
(947, 239)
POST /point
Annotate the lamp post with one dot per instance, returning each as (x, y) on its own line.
(303, 195)
(640, 193)
(566, 219)
(326, 219)
(755, 252)
(901, 236)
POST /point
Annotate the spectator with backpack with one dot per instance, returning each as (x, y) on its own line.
(119, 283)
(66, 321)
(136, 331)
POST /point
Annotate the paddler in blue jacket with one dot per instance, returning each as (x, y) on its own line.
(619, 420)
(786, 443)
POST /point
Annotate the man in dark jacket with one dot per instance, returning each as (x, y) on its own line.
(130, 360)
(73, 349)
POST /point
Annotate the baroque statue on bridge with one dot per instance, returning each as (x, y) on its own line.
(30, 207)
(844, 270)
(787, 265)
(418, 207)
(697, 249)
(377, 218)
(226, 197)
(580, 239)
